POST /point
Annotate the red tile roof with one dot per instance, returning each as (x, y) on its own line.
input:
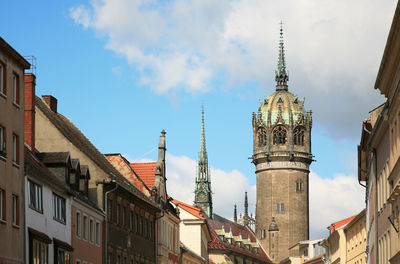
(217, 243)
(340, 223)
(146, 171)
(188, 208)
(314, 258)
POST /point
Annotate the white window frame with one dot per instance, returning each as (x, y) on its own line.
(98, 231)
(37, 203)
(59, 208)
(78, 224)
(85, 227)
(91, 230)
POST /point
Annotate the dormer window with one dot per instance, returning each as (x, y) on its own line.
(279, 136)
(221, 237)
(229, 240)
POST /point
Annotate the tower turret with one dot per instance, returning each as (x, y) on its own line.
(282, 156)
(203, 193)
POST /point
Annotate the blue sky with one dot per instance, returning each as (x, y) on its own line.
(124, 70)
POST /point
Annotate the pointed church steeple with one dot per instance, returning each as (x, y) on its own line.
(235, 214)
(203, 194)
(281, 74)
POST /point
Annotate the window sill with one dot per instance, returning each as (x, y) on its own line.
(36, 210)
(3, 158)
(3, 221)
(60, 221)
(16, 105)
(15, 226)
(16, 165)
(3, 95)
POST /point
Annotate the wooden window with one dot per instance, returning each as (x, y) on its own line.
(15, 210)
(91, 231)
(117, 214)
(123, 222)
(35, 196)
(131, 220)
(97, 233)
(85, 227)
(2, 205)
(59, 208)
(15, 149)
(78, 226)
(16, 88)
(3, 79)
(3, 142)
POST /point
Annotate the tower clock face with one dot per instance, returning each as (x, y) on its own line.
(202, 196)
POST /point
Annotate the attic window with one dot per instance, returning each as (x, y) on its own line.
(221, 237)
(280, 101)
(296, 100)
(229, 240)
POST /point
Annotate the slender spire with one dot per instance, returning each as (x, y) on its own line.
(203, 151)
(246, 205)
(235, 214)
(281, 74)
(203, 193)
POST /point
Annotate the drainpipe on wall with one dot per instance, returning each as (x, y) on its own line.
(376, 204)
(106, 218)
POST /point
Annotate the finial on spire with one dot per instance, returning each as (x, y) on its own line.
(281, 74)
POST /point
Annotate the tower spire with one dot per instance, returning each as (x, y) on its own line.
(203, 194)
(246, 205)
(281, 74)
(235, 214)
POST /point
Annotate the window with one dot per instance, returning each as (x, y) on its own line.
(298, 136)
(123, 216)
(15, 148)
(2, 205)
(85, 227)
(77, 261)
(91, 230)
(2, 141)
(15, 87)
(118, 212)
(98, 233)
(3, 87)
(279, 136)
(78, 224)
(262, 137)
(58, 208)
(63, 257)
(299, 186)
(39, 252)
(280, 208)
(131, 220)
(109, 209)
(35, 196)
(15, 211)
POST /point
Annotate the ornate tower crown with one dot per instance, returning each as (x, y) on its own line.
(202, 192)
(281, 74)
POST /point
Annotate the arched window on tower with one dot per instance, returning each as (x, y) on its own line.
(262, 137)
(279, 136)
(298, 136)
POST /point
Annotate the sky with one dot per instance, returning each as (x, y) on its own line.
(123, 70)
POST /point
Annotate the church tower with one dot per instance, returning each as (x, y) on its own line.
(202, 192)
(282, 156)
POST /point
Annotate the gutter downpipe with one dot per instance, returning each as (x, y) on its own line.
(106, 220)
(376, 205)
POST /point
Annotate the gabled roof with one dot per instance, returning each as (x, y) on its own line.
(237, 232)
(146, 171)
(125, 168)
(334, 226)
(190, 209)
(76, 137)
(54, 157)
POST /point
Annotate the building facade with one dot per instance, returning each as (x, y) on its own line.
(356, 240)
(282, 155)
(12, 209)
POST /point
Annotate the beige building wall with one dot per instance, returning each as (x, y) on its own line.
(356, 240)
(12, 67)
(335, 246)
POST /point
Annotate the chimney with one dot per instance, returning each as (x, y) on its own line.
(51, 102)
(29, 128)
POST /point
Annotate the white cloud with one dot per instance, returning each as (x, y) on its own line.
(330, 199)
(333, 48)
